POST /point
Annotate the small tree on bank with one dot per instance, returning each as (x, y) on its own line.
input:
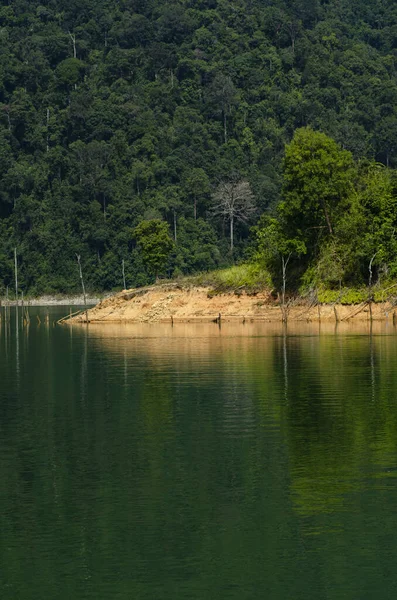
(234, 201)
(274, 246)
(155, 244)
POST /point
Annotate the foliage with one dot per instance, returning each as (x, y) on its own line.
(343, 296)
(248, 276)
(113, 113)
(197, 248)
(154, 243)
(338, 216)
(318, 179)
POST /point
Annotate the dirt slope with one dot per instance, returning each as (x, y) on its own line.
(173, 302)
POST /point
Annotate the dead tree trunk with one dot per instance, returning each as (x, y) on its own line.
(284, 264)
(16, 275)
(123, 268)
(83, 286)
(73, 38)
(370, 298)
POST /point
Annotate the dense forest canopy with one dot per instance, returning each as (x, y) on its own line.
(114, 112)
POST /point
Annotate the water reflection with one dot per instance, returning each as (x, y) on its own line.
(197, 462)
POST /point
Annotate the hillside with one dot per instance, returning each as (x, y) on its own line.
(118, 112)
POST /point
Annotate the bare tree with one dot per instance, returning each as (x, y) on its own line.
(234, 201)
(83, 286)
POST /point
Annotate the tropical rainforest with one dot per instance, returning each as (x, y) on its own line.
(163, 138)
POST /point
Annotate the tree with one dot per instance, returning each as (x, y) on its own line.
(234, 201)
(197, 185)
(376, 241)
(154, 243)
(273, 244)
(318, 178)
(223, 94)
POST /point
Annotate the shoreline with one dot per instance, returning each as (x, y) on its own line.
(49, 300)
(174, 303)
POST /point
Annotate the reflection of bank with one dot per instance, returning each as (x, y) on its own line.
(341, 420)
(330, 394)
(201, 330)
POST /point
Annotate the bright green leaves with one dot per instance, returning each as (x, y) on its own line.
(318, 179)
(336, 217)
(378, 199)
(272, 240)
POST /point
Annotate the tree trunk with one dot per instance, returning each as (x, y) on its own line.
(48, 133)
(225, 126)
(83, 286)
(73, 38)
(175, 226)
(195, 208)
(123, 268)
(370, 285)
(284, 268)
(284, 264)
(16, 275)
(327, 218)
(231, 234)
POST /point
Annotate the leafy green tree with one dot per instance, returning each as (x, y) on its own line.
(318, 180)
(378, 202)
(275, 249)
(223, 95)
(70, 71)
(197, 186)
(155, 244)
(197, 248)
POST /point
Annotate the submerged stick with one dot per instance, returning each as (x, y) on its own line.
(69, 316)
(336, 314)
(16, 275)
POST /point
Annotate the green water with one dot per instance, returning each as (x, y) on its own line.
(150, 462)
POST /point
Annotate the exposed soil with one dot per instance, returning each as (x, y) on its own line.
(173, 302)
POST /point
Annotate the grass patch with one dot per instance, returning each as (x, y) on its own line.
(380, 293)
(248, 277)
(343, 296)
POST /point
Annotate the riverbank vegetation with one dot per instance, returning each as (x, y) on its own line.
(254, 131)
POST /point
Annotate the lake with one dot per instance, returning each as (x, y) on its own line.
(167, 463)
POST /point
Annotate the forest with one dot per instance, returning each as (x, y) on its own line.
(155, 139)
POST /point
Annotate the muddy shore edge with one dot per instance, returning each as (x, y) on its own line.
(175, 303)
